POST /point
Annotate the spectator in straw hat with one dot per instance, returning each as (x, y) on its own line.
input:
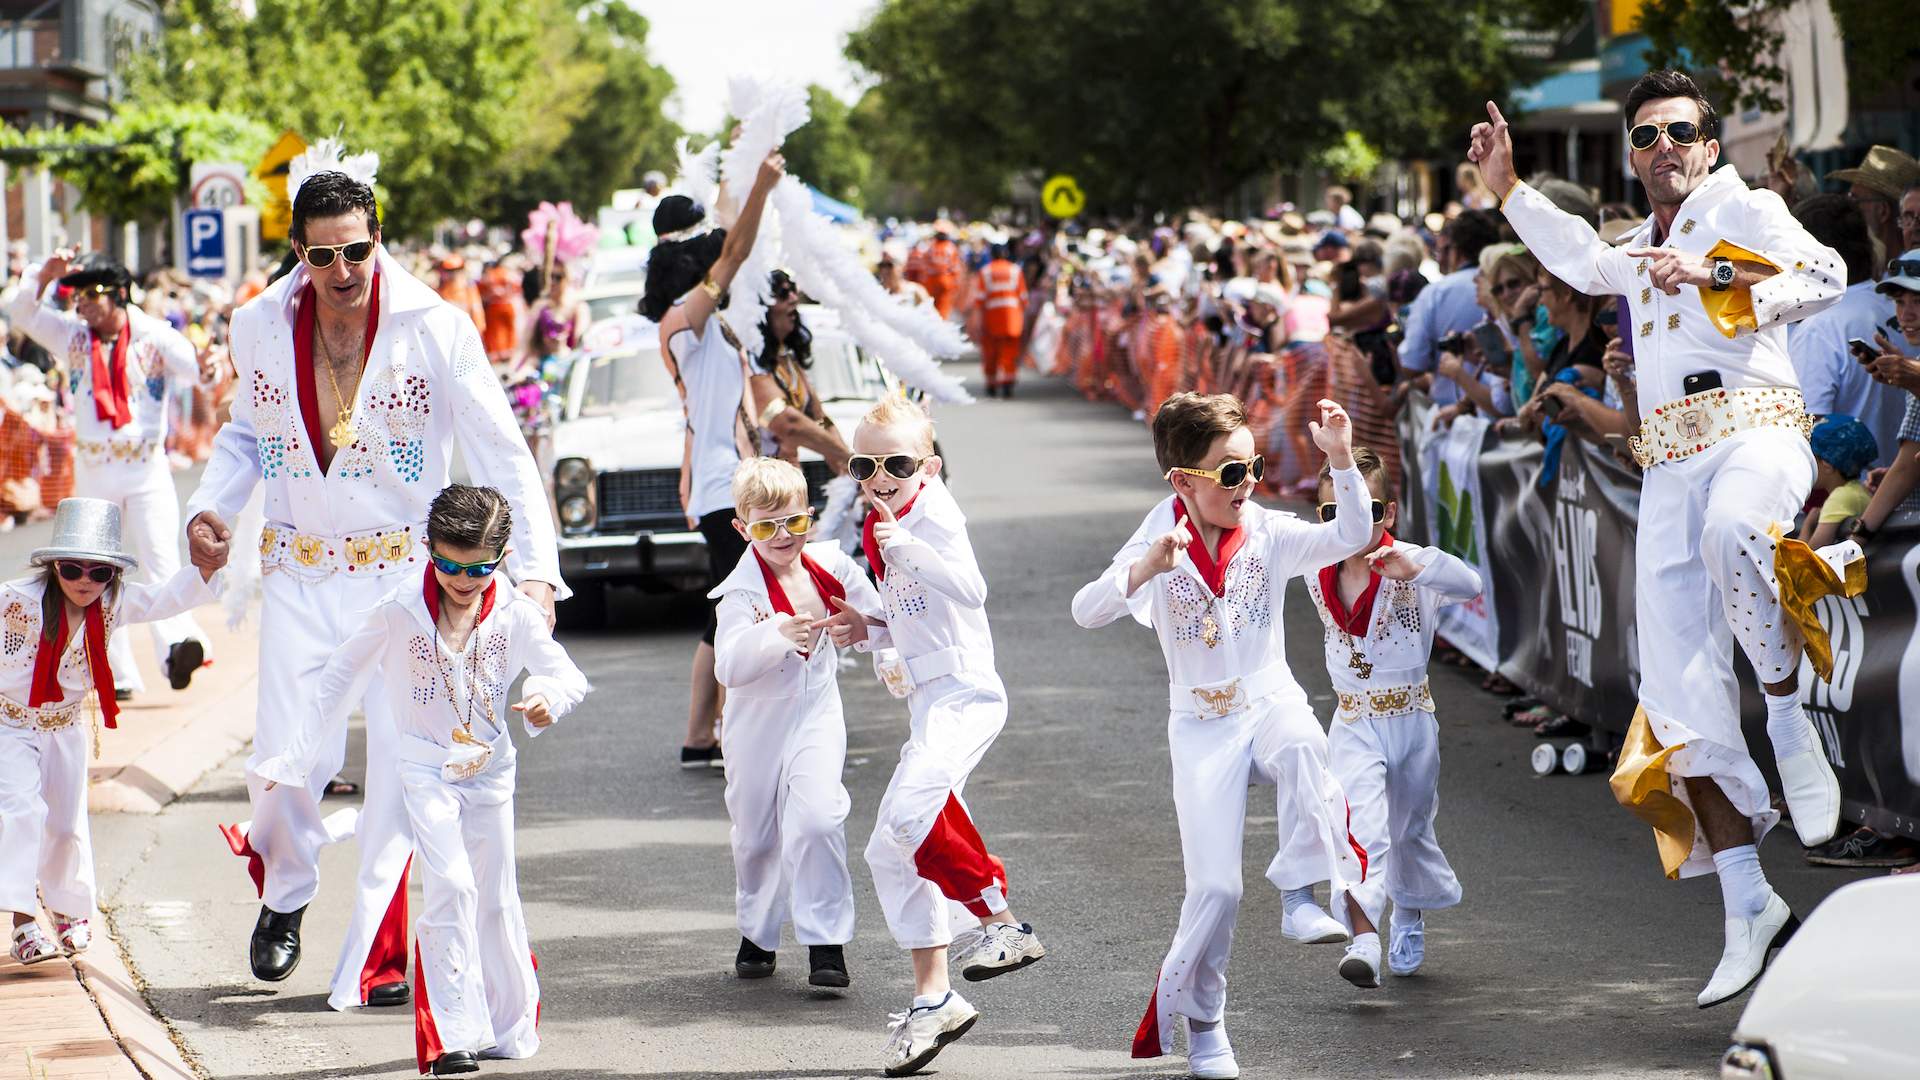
(1877, 185)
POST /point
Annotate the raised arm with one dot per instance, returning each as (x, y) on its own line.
(52, 328)
(187, 589)
(702, 302)
(1566, 245)
(936, 558)
(1450, 578)
(1119, 591)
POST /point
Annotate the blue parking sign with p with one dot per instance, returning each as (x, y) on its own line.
(206, 243)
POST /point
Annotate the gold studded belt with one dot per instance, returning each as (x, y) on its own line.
(1386, 702)
(371, 553)
(115, 451)
(27, 718)
(1683, 428)
(1226, 698)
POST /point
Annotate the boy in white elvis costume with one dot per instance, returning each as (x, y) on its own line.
(1384, 744)
(448, 646)
(1207, 570)
(1709, 286)
(355, 382)
(121, 366)
(935, 650)
(786, 738)
(54, 651)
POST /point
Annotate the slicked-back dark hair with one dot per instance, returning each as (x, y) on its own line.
(1658, 85)
(470, 517)
(331, 194)
(1836, 221)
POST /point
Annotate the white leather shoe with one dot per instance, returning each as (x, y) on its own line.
(1210, 1055)
(1749, 942)
(1361, 965)
(1812, 793)
(1309, 924)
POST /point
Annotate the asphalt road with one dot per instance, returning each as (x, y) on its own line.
(1571, 956)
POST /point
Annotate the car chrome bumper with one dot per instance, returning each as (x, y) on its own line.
(1748, 1061)
(602, 556)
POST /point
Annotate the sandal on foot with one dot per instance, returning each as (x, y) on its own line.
(31, 944)
(340, 785)
(74, 934)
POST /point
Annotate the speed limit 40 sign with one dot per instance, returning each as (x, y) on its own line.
(217, 185)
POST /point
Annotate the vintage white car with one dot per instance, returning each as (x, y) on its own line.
(617, 449)
(1842, 999)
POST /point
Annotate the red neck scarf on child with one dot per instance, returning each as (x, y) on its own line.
(1213, 572)
(874, 562)
(432, 591)
(825, 584)
(1360, 619)
(110, 383)
(53, 645)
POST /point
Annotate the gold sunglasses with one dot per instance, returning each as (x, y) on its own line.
(1230, 474)
(768, 528)
(321, 256)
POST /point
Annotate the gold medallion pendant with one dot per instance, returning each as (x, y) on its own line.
(342, 435)
(1210, 630)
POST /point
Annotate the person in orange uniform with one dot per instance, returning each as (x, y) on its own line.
(457, 289)
(1001, 292)
(941, 267)
(500, 313)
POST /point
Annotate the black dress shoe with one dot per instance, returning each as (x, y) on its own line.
(752, 962)
(275, 949)
(183, 659)
(829, 964)
(698, 757)
(456, 1061)
(393, 993)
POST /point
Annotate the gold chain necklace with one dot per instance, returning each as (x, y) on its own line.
(464, 733)
(341, 434)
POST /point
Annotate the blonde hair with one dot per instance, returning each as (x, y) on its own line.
(894, 410)
(764, 483)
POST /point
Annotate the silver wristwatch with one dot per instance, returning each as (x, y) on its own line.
(1722, 275)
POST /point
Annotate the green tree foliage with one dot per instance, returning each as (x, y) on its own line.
(138, 178)
(829, 153)
(1153, 105)
(464, 100)
(1737, 45)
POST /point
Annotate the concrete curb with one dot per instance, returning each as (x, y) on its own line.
(149, 1041)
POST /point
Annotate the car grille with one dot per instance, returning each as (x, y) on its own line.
(651, 497)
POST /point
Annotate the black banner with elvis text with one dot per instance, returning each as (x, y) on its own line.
(1560, 582)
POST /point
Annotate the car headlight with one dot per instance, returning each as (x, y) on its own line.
(1744, 1061)
(575, 511)
(573, 474)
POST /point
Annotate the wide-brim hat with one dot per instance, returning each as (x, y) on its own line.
(1886, 170)
(88, 530)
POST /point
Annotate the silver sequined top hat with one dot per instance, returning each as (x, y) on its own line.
(86, 529)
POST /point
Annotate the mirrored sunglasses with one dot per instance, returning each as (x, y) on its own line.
(471, 569)
(768, 528)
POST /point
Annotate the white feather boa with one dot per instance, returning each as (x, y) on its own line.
(699, 177)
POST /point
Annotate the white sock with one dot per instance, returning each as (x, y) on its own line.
(929, 1001)
(1291, 899)
(1208, 1041)
(1743, 885)
(1787, 725)
(1370, 940)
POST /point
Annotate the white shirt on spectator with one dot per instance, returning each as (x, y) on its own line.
(1834, 382)
(1448, 306)
(1350, 219)
(710, 366)
(1673, 336)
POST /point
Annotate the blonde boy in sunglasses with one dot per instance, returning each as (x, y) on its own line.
(1379, 607)
(933, 649)
(786, 737)
(1207, 570)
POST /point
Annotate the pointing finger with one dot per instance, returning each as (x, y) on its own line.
(1493, 113)
(881, 508)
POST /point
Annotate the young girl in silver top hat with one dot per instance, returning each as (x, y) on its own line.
(52, 654)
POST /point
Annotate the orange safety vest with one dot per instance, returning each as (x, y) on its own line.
(1003, 299)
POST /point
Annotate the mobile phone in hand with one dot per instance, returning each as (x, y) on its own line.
(1862, 351)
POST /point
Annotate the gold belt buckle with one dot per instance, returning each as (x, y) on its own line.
(308, 549)
(267, 536)
(361, 550)
(1220, 702)
(1693, 423)
(395, 545)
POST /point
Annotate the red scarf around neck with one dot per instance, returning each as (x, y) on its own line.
(110, 383)
(53, 645)
(874, 562)
(1214, 573)
(432, 592)
(307, 389)
(825, 584)
(1358, 621)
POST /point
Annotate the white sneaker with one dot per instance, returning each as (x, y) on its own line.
(917, 1035)
(1361, 965)
(1407, 942)
(1210, 1055)
(1311, 925)
(1749, 941)
(996, 950)
(1812, 793)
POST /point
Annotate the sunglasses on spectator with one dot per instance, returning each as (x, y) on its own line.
(1910, 221)
(768, 528)
(99, 573)
(321, 256)
(862, 467)
(1379, 511)
(483, 568)
(1908, 268)
(1502, 288)
(1682, 132)
(1230, 474)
